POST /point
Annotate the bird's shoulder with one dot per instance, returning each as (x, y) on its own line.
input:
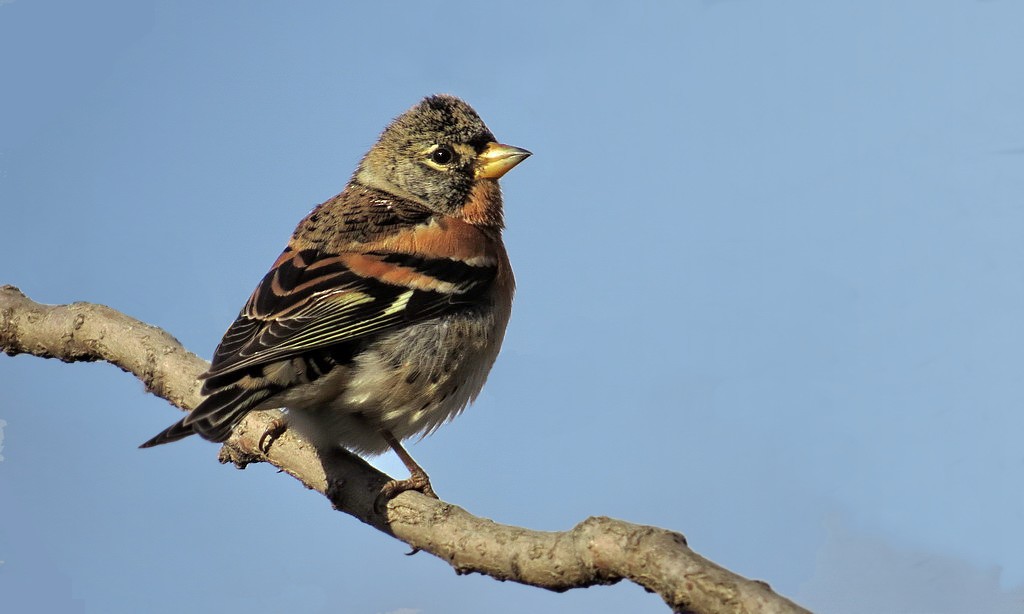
(357, 215)
(364, 220)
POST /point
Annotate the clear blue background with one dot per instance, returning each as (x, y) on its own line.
(771, 291)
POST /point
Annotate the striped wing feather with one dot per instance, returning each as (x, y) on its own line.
(309, 302)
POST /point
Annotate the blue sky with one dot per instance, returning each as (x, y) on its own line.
(770, 291)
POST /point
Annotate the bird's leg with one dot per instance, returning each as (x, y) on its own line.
(418, 479)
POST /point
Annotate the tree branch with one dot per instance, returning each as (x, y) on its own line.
(596, 551)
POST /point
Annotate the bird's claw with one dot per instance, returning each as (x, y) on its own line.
(277, 428)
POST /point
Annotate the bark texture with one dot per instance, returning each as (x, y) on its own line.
(598, 550)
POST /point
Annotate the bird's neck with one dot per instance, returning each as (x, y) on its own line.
(483, 207)
(372, 180)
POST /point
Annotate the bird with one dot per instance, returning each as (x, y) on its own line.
(385, 312)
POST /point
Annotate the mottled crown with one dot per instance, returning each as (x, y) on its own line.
(442, 117)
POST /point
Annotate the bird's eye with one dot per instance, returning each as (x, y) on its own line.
(442, 155)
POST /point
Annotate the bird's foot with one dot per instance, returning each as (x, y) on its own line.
(277, 428)
(418, 481)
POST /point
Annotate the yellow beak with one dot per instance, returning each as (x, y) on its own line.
(497, 159)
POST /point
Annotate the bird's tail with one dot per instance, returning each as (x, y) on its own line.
(178, 430)
(214, 418)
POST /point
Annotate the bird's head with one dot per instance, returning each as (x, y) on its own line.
(441, 155)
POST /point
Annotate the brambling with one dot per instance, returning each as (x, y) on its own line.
(384, 314)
